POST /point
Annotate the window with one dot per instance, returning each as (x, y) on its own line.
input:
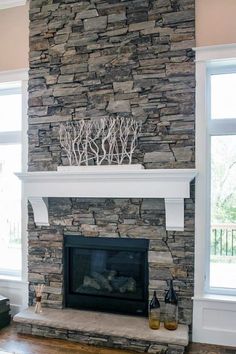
(222, 178)
(214, 299)
(11, 99)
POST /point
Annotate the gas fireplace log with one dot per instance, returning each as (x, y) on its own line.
(91, 283)
(124, 284)
(129, 286)
(98, 282)
(110, 275)
(102, 281)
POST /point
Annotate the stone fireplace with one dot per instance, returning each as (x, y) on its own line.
(131, 219)
(109, 220)
(101, 59)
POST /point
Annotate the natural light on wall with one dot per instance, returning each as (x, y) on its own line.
(10, 188)
(223, 183)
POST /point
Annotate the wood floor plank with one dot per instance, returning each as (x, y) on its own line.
(26, 344)
(15, 343)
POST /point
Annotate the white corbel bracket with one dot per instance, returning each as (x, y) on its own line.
(174, 208)
(40, 209)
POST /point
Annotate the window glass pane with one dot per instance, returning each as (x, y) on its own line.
(223, 212)
(223, 96)
(10, 112)
(10, 209)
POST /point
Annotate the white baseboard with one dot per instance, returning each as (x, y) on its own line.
(214, 321)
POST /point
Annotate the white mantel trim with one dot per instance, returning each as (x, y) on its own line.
(171, 184)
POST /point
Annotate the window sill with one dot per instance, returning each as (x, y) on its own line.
(215, 298)
(12, 282)
(10, 277)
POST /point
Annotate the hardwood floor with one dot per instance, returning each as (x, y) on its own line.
(25, 344)
(196, 348)
(11, 342)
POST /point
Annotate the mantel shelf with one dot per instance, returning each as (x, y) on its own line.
(171, 184)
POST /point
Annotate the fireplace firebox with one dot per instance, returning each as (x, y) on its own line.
(106, 274)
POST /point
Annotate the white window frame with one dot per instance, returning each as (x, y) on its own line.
(208, 307)
(215, 127)
(21, 138)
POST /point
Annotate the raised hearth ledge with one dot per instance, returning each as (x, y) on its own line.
(101, 329)
(171, 184)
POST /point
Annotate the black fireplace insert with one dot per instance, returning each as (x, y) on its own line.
(106, 274)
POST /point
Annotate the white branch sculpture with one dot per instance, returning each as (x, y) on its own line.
(104, 141)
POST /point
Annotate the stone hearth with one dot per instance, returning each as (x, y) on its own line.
(101, 329)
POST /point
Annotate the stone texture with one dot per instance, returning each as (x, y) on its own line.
(95, 328)
(141, 26)
(125, 86)
(118, 106)
(178, 17)
(98, 23)
(116, 17)
(179, 69)
(87, 14)
(100, 59)
(158, 156)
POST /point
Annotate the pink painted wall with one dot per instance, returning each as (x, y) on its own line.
(215, 22)
(14, 36)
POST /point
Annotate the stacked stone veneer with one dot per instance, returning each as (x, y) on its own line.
(91, 59)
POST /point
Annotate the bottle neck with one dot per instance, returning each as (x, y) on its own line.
(171, 296)
(171, 284)
(154, 303)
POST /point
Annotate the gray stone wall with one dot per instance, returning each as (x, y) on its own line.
(91, 59)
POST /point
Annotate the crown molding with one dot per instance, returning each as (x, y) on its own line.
(6, 4)
(14, 75)
(216, 52)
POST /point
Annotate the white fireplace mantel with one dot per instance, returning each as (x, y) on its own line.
(171, 184)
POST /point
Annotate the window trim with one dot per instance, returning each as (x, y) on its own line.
(207, 307)
(208, 60)
(19, 137)
(215, 127)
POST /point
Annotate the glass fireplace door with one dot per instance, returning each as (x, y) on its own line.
(106, 274)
